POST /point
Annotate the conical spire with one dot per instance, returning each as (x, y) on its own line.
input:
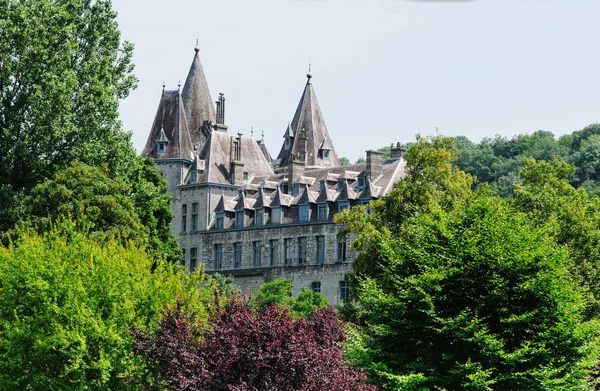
(308, 117)
(197, 101)
(170, 127)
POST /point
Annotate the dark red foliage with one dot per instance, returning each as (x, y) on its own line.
(243, 350)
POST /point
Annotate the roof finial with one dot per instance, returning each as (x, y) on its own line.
(308, 75)
(196, 48)
(262, 135)
(251, 131)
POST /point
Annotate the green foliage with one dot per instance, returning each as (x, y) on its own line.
(107, 207)
(63, 69)
(67, 306)
(279, 292)
(569, 215)
(344, 161)
(460, 291)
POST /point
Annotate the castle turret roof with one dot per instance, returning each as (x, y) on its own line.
(197, 101)
(309, 119)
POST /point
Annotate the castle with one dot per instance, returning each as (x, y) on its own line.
(241, 213)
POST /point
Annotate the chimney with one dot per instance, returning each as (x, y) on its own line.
(374, 165)
(237, 166)
(398, 151)
(220, 116)
(295, 171)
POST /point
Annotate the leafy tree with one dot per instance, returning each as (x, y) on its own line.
(246, 349)
(279, 292)
(459, 291)
(360, 160)
(63, 69)
(67, 305)
(107, 207)
(344, 161)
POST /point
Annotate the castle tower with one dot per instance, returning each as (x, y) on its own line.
(200, 112)
(317, 149)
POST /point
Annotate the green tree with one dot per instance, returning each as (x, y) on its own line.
(137, 210)
(67, 306)
(344, 161)
(461, 292)
(279, 292)
(63, 69)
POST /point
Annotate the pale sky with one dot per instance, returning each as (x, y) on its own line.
(383, 70)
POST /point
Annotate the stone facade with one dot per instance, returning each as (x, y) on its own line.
(237, 212)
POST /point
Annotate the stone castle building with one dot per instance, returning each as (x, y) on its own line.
(239, 212)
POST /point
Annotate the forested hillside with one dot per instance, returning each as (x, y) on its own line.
(497, 160)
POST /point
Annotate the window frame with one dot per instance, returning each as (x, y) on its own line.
(302, 245)
(288, 254)
(320, 249)
(273, 251)
(217, 256)
(237, 255)
(257, 253)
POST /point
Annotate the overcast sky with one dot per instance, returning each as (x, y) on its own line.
(383, 70)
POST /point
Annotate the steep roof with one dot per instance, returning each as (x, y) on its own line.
(170, 122)
(197, 101)
(308, 117)
(217, 152)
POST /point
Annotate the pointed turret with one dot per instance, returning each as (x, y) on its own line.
(319, 152)
(198, 103)
(169, 137)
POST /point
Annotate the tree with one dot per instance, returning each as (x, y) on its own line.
(67, 305)
(107, 207)
(461, 291)
(279, 292)
(245, 349)
(344, 161)
(63, 69)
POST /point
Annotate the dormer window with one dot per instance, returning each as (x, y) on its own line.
(304, 213)
(239, 219)
(259, 216)
(323, 211)
(361, 182)
(161, 142)
(340, 184)
(325, 154)
(194, 176)
(219, 224)
(161, 148)
(295, 189)
(343, 205)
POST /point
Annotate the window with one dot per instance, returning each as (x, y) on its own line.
(183, 218)
(340, 184)
(273, 251)
(302, 251)
(343, 205)
(239, 218)
(325, 153)
(320, 249)
(323, 211)
(259, 216)
(304, 212)
(161, 148)
(245, 175)
(256, 253)
(194, 217)
(218, 256)
(182, 260)
(194, 176)
(344, 291)
(237, 255)
(295, 189)
(220, 223)
(361, 182)
(315, 286)
(287, 142)
(193, 260)
(276, 215)
(342, 249)
(287, 251)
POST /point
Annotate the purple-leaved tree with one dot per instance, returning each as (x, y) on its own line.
(241, 349)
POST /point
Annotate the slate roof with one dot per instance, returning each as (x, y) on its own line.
(217, 152)
(308, 116)
(170, 122)
(197, 101)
